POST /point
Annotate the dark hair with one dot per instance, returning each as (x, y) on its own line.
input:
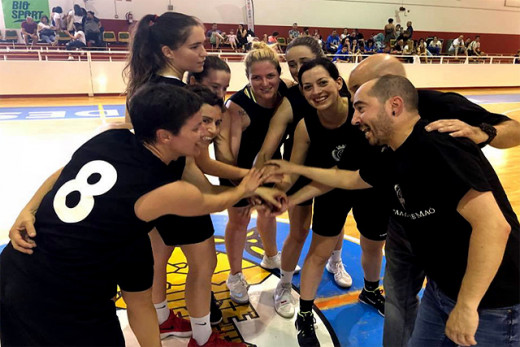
(308, 41)
(78, 11)
(331, 68)
(171, 29)
(390, 20)
(207, 96)
(91, 12)
(58, 9)
(157, 106)
(212, 62)
(44, 16)
(276, 33)
(394, 85)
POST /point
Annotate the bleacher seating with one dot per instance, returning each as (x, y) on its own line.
(123, 36)
(11, 35)
(109, 37)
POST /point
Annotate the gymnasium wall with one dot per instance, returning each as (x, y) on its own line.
(497, 23)
(98, 77)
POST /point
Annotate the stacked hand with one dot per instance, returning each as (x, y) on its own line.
(22, 232)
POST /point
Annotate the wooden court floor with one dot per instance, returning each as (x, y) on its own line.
(31, 150)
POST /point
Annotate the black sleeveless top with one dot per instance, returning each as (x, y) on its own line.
(300, 108)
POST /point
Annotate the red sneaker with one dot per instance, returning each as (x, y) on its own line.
(175, 325)
(216, 341)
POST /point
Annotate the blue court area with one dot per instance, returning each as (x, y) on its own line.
(111, 111)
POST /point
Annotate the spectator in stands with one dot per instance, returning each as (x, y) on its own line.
(332, 43)
(344, 34)
(232, 38)
(422, 49)
(409, 47)
(75, 16)
(342, 55)
(457, 46)
(357, 35)
(47, 31)
(389, 31)
(78, 40)
(398, 47)
(517, 57)
(435, 46)
(379, 42)
(409, 29)
(294, 32)
(273, 38)
(58, 18)
(92, 29)
(215, 36)
(398, 32)
(318, 36)
(474, 47)
(305, 31)
(241, 37)
(354, 47)
(29, 31)
(370, 48)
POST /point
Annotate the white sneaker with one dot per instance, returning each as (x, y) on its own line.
(283, 300)
(275, 262)
(341, 277)
(238, 287)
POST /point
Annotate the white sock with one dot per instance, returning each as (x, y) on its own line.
(335, 257)
(201, 329)
(286, 276)
(163, 312)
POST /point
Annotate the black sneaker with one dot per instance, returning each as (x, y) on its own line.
(374, 299)
(305, 326)
(215, 316)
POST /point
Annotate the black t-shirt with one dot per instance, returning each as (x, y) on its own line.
(89, 238)
(300, 107)
(434, 105)
(425, 179)
(253, 136)
(169, 80)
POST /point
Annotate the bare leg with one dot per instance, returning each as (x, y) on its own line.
(267, 229)
(300, 219)
(236, 234)
(161, 255)
(371, 258)
(198, 282)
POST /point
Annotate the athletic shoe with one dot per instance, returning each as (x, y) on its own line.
(238, 287)
(175, 325)
(341, 277)
(374, 299)
(283, 300)
(305, 326)
(215, 316)
(216, 341)
(275, 262)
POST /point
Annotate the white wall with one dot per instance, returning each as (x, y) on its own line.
(478, 16)
(106, 77)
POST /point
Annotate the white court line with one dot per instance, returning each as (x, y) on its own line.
(513, 110)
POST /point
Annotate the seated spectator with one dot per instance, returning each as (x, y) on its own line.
(273, 38)
(435, 46)
(398, 47)
(344, 34)
(457, 46)
(370, 48)
(215, 36)
(29, 31)
(92, 29)
(241, 37)
(398, 31)
(409, 48)
(389, 31)
(294, 32)
(422, 50)
(318, 36)
(342, 55)
(78, 40)
(354, 47)
(332, 44)
(232, 38)
(47, 31)
(474, 47)
(517, 57)
(305, 31)
(58, 18)
(379, 42)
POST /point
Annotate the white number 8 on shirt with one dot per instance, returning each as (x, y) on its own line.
(87, 191)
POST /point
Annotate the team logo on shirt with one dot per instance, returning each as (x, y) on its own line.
(338, 152)
(399, 194)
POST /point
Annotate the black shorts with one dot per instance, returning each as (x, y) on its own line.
(300, 183)
(176, 230)
(370, 211)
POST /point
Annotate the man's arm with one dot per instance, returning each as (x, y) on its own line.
(508, 131)
(332, 177)
(307, 192)
(490, 232)
(23, 228)
(277, 126)
(142, 317)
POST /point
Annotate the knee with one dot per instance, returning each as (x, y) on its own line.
(298, 236)
(204, 267)
(317, 259)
